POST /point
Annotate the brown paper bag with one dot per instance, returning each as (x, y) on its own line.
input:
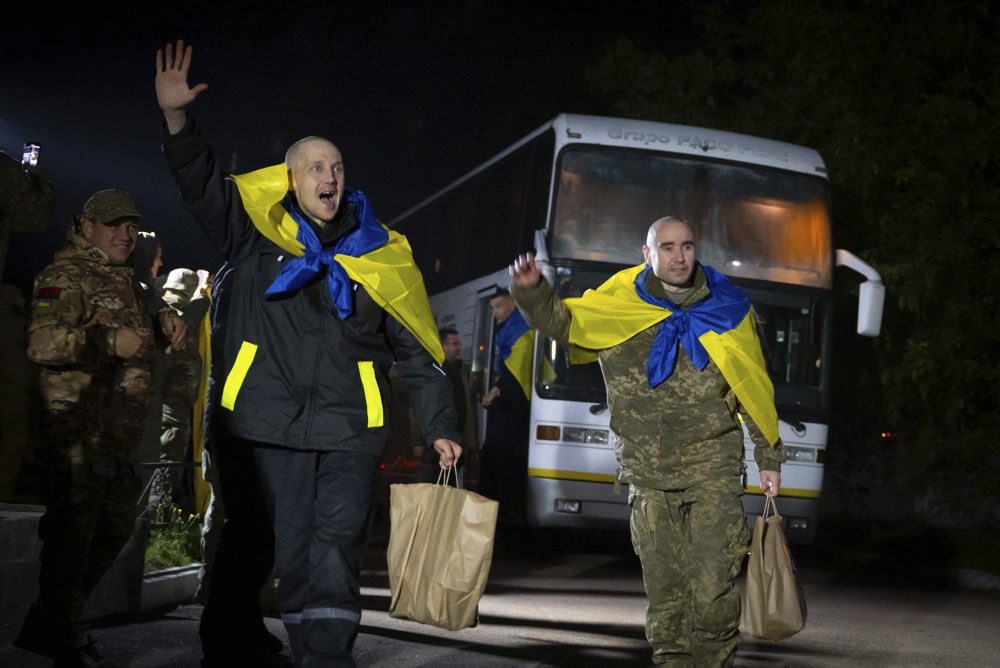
(440, 551)
(775, 605)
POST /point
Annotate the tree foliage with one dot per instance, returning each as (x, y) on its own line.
(903, 102)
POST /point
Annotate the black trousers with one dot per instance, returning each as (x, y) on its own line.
(319, 503)
(244, 556)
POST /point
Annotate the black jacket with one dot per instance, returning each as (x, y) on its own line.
(305, 385)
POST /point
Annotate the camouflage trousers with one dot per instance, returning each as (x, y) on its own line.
(175, 441)
(691, 543)
(211, 528)
(90, 494)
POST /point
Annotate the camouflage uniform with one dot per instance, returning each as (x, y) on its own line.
(95, 405)
(680, 448)
(180, 388)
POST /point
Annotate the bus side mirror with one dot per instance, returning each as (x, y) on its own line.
(871, 300)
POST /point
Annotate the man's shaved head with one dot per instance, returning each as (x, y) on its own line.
(660, 222)
(295, 150)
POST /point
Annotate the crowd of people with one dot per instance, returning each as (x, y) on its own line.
(315, 303)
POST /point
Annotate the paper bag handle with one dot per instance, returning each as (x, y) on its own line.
(446, 474)
(770, 507)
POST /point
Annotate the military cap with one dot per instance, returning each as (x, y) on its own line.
(182, 280)
(107, 206)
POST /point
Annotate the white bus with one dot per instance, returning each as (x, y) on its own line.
(581, 191)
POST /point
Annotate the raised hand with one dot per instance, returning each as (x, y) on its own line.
(525, 272)
(172, 91)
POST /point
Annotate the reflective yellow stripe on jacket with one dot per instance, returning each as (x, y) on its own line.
(373, 398)
(234, 381)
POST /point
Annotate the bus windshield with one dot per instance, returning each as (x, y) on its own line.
(793, 326)
(751, 222)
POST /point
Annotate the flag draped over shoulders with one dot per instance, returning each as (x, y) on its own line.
(720, 327)
(515, 343)
(383, 264)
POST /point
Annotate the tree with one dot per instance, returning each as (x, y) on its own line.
(903, 102)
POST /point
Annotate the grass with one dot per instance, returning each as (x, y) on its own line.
(176, 543)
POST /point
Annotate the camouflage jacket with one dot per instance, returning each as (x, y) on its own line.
(79, 300)
(683, 432)
(184, 367)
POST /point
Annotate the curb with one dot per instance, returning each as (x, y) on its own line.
(169, 587)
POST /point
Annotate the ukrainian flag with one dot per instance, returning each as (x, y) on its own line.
(515, 343)
(388, 274)
(721, 327)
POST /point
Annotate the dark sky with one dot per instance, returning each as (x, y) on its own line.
(413, 96)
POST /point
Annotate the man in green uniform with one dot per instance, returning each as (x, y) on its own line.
(683, 369)
(91, 333)
(180, 392)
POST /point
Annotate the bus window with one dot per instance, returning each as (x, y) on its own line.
(752, 222)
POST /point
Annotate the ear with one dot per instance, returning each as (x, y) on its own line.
(645, 253)
(291, 181)
(87, 229)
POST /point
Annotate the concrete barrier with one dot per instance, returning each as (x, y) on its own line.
(120, 590)
(19, 550)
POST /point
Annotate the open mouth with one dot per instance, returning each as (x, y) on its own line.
(328, 196)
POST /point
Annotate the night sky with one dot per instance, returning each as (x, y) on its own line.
(413, 96)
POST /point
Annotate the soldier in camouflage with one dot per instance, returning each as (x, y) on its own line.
(93, 337)
(680, 448)
(180, 389)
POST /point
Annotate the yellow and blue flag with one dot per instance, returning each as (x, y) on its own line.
(720, 327)
(515, 343)
(376, 258)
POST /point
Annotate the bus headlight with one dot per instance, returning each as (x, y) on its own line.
(581, 435)
(598, 436)
(794, 453)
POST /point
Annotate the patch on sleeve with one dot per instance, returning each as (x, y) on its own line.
(44, 296)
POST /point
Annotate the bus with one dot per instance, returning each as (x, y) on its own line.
(580, 192)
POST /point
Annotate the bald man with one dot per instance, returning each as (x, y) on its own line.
(676, 400)
(302, 343)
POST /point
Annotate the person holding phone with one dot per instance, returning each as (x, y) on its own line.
(26, 202)
(26, 199)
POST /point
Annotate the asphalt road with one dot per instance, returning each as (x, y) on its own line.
(578, 601)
